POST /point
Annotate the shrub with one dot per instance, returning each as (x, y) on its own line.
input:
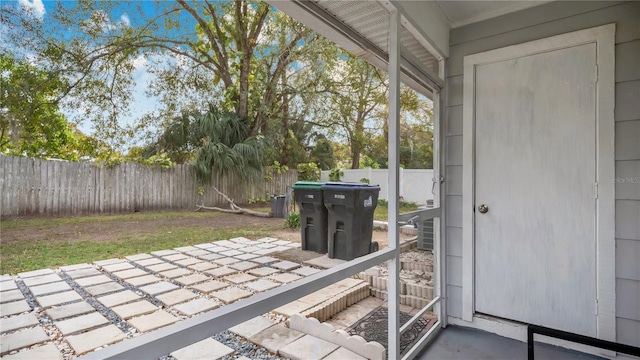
(336, 174)
(293, 221)
(308, 171)
(365, 180)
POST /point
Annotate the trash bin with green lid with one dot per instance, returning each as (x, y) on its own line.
(313, 215)
(350, 218)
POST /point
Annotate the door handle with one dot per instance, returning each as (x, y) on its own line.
(483, 209)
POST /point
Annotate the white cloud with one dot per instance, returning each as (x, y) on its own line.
(124, 19)
(34, 7)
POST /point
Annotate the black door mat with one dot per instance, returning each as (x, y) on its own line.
(374, 327)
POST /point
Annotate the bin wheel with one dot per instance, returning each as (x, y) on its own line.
(373, 247)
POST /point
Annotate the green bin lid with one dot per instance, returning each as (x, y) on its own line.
(312, 185)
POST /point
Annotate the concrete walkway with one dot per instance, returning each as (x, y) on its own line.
(67, 312)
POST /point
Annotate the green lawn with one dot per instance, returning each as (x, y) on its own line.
(382, 210)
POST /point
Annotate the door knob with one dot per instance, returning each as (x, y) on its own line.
(483, 208)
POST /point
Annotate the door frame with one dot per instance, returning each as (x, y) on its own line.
(604, 38)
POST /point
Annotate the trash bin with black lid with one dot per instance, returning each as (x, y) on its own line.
(350, 209)
(313, 215)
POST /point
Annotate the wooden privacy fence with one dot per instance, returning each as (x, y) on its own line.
(34, 186)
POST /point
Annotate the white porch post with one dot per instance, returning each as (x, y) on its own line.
(393, 173)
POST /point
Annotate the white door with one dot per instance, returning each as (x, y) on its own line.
(535, 170)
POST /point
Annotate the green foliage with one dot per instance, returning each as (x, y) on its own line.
(364, 180)
(308, 172)
(266, 199)
(293, 221)
(382, 210)
(322, 153)
(383, 202)
(336, 174)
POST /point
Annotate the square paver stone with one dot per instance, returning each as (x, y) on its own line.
(226, 261)
(249, 249)
(118, 298)
(188, 261)
(175, 257)
(176, 297)
(282, 242)
(231, 294)
(10, 296)
(83, 273)
(191, 279)
(198, 252)
(18, 322)
(263, 271)
(75, 267)
(108, 262)
(57, 299)
(247, 256)
(266, 245)
(343, 353)
(8, 285)
(50, 288)
(280, 248)
(266, 251)
(265, 260)
(93, 339)
(93, 280)
(217, 249)
(161, 267)
(244, 265)
(234, 246)
(149, 261)
(172, 274)
(275, 337)
(162, 253)
(196, 306)
(223, 242)
(33, 273)
(69, 310)
(185, 248)
(14, 307)
(118, 267)
(202, 266)
(209, 286)
(232, 252)
(262, 285)
(42, 279)
(48, 351)
(206, 349)
(104, 288)
(126, 274)
(251, 327)
(153, 321)
(241, 240)
(22, 339)
(138, 257)
(221, 271)
(80, 323)
(210, 256)
(285, 277)
(158, 288)
(239, 278)
(305, 271)
(267, 240)
(137, 308)
(308, 348)
(204, 246)
(143, 280)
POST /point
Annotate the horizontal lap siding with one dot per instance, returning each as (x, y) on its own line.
(537, 23)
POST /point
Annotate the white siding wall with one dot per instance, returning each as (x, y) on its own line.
(537, 23)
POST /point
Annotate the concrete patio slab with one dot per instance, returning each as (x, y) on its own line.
(104, 288)
(262, 285)
(202, 266)
(209, 286)
(175, 273)
(221, 271)
(231, 294)
(119, 298)
(8, 285)
(93, 280)
(175, 257)
(69, 310)
(246, 256)
(294, 307)
(18, 322)
(266, 251)
(324, 262)
(131, 273)
(226, 261)
(217, 248)
(185, 248)
(282, 242)
(196, 306)
(191, 279)
(48, 351)
(308, 348)
(198, 252)
(279, 248)
(164, 266)
(265, 260)
(162, 253)
(137, 308)
(80, 323)
(153, 321)
(275, 337)
(41, 279)
(33, 273)
(108, 262)
(306, 271)
(241, 240)
(14, 307)
(176, 297)
(22, 339)
(211, 256)
(158, 288)
(83, 273)
(11, 296)
(233, 246)
(343, 354)
(138, 257)
(285, 277)
(266, 245)
(75, 267)
(58, 299)
(285, 265)
(248, 249)
(188, 261)
(118, 267)
(239, 278)
(204, 246)
(267, 239)
(252, 327)
(93, 339)
(143, 280)
(50, 288)
(149, 261)
(205, 349)
(232, 252)
(262, 271)
(243, 265)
